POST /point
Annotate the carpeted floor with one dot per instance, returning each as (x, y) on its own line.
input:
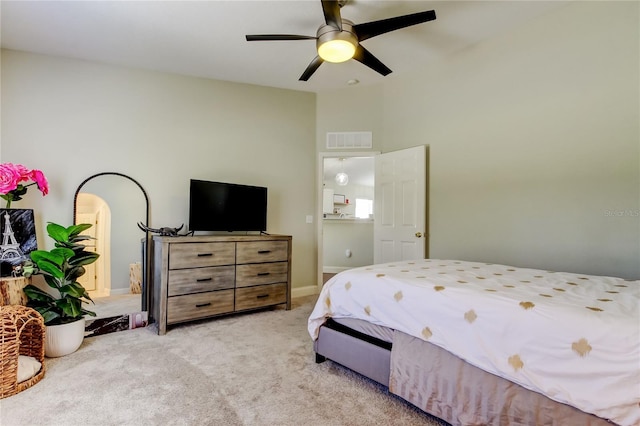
(251, 369)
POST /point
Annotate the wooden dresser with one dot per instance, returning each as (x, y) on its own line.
(204, 276)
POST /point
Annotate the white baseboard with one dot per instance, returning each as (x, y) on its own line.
(334, 269)
(304, 291)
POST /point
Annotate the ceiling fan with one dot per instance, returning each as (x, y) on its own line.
(339, 39)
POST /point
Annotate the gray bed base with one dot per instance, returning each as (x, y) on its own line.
(370, 357)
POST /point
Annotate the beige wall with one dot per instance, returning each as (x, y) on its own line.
(342, 235)
(534, 141)
(356, 108)
(73, 119)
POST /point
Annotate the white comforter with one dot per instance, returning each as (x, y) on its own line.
(574, 338)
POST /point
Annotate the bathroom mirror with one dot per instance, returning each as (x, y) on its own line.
(114, 204)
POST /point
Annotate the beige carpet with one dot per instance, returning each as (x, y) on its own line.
(251, 369)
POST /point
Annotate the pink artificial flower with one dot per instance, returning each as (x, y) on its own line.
(38, 177)
(25, 174)
(10, 176)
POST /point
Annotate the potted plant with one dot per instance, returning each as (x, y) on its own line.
(61, 267)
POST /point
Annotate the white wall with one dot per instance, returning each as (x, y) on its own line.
(72, 119)
(534, 141)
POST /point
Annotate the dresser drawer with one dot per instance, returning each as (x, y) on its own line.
(262, 251)
(199, 305)
(198, 280)
(261, 273)
(196, 255)
(262, 295)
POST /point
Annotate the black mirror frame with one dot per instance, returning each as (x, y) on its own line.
(146, 257)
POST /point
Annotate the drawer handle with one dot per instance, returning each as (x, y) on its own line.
(201, 280)
(264, 251)
(262, 296)
(262, 274)
(202, 305)
(205, 254)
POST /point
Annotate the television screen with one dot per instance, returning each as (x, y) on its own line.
(219, 206)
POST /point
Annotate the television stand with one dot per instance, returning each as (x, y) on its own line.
(206, 276)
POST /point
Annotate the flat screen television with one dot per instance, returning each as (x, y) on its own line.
(219, 206)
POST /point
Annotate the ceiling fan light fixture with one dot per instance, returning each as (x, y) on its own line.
(334, 45)
(336, 51)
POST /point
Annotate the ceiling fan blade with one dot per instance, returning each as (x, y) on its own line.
(313, 66)
(331, 11)
(363, 56)
(372, 29)
(272, 37)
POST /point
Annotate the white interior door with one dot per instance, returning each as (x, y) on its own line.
(400, 205)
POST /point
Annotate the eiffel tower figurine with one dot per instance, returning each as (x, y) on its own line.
(10, 248)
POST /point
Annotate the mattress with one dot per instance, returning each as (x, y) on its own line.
(571, 337)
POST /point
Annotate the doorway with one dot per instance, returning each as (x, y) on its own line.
(345, 237)
(401, 205)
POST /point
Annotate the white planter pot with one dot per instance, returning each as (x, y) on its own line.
(63, 339)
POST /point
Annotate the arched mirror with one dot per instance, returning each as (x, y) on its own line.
(115, 203)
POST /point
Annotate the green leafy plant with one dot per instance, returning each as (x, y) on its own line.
(61, 267)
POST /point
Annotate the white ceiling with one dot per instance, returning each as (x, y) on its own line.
(206, 38)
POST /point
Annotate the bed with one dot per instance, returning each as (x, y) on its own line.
(488, 344)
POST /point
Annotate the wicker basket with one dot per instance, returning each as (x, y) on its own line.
(22, 333)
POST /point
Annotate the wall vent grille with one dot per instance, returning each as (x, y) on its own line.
(349, 140)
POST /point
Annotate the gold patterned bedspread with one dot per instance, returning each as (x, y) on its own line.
(574, 338)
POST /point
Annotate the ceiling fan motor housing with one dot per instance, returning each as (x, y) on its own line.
(328, 33)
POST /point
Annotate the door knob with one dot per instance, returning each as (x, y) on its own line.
(418, 234)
